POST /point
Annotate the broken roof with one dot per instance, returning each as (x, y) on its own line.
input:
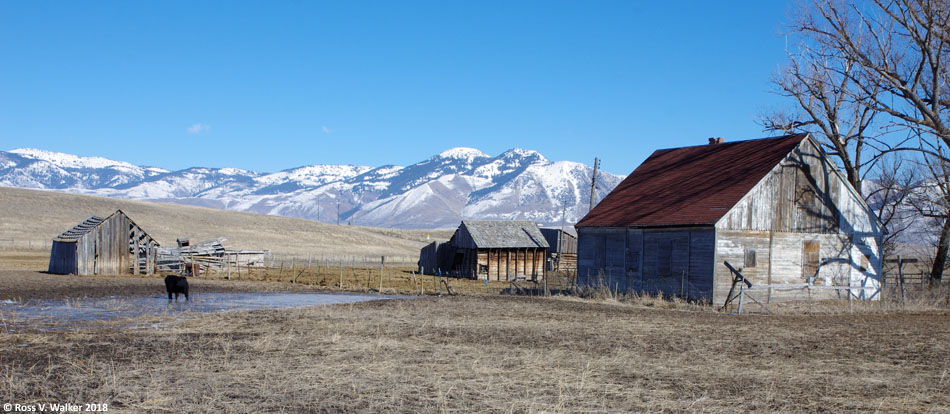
(505, 233)
(91, 223)
(80, 229)
(690, 185)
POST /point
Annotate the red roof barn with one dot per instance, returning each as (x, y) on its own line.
(776, 207)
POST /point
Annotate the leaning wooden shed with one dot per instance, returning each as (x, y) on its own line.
(490, 249)
(777, 208)
(104, 246)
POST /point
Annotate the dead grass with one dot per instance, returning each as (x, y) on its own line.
(498, 354)
(32, 218)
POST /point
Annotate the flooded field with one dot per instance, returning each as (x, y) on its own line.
(74, 313)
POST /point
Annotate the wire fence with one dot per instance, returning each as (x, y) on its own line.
(14, 243)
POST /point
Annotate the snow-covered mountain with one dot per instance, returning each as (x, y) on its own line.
(435, 193)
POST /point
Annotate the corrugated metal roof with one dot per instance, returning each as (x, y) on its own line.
(493, 234)
(690, 185)
(80, 229)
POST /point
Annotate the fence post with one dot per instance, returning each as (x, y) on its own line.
(850, 301)
(741, 294)
(900, 275)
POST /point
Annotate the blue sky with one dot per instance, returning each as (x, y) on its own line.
(268, 86)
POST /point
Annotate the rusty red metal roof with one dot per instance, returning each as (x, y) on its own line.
(690, 185)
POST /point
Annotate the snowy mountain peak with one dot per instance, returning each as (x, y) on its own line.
(434, 193)
(71, 161)
(531, 155)
(463, 153)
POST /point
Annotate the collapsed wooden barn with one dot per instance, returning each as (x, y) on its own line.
(489, 249)
(212, 254)
(562, 250)
(104, 246)
(777, 208)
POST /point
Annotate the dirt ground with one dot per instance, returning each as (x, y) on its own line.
(485, 353)
(491, 354)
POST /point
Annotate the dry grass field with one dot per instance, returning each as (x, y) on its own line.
(481, 351)
(491, 354)
(32, 218)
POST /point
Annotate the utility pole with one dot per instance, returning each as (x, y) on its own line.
(593, 183)
(337, 212)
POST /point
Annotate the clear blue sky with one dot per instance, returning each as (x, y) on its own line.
(272, 85)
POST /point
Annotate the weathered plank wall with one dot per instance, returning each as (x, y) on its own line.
(802, 201)
(104, 250)
(800, 195)
(504, 264)
(668, 261)
(114, 246)
(62, 258)
(429, 258)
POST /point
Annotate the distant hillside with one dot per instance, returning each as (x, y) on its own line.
(434, 193)
(38, 216)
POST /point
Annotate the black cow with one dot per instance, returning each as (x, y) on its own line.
(176, 285)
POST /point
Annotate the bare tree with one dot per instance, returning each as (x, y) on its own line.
(830, 106)
(900, 51)
(932, 202)
(896, 182)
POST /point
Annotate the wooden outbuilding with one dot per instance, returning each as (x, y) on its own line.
(562, 250)
(777, 208)
(489, 249)
(111, 245)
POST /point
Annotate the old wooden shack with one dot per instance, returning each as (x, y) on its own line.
(562, 250)
(777, 208)
(111, 245)
(489, 249)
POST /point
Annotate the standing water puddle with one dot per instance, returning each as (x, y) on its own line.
(72, 313)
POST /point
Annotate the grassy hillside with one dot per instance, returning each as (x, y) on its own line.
(33, 218)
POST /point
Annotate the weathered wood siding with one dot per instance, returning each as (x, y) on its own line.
(462, 239)
(105, 249)
(435, 257)
(562, 250)
(113, 247)
(782, 258)
(663, 261)
(801, 194)
(505, 264)
(62, 258)
(802, 200)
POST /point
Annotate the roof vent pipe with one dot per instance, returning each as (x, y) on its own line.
(718, 140)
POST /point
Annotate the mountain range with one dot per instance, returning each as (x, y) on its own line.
(460, 183)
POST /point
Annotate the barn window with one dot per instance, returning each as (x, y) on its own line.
(664, 258)
(749, 258)
(633, 260)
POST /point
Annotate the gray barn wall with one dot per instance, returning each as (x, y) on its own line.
(62, 258)
(670, 261)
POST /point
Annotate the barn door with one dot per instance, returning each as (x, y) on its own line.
(810, 257)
